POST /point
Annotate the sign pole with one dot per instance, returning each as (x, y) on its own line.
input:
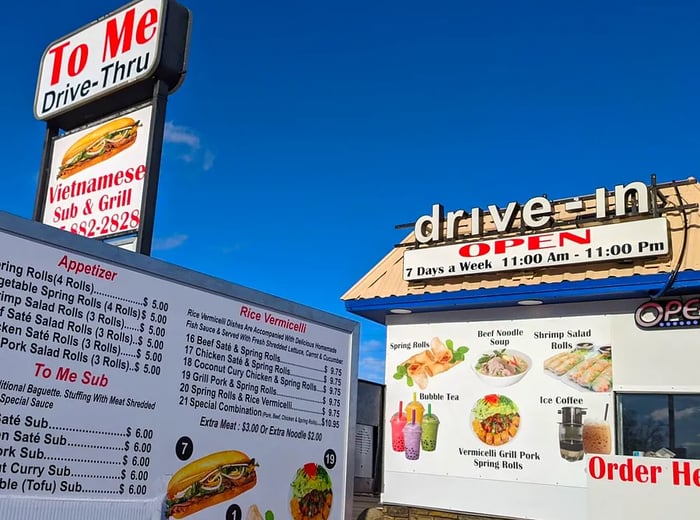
(44, 172)
(153, 159)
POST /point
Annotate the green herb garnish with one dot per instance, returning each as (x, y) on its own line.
(401, 371)
(457, 355)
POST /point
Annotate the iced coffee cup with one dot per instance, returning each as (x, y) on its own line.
(596, 437)
(398, 421)
(411, 436)
(429, 426)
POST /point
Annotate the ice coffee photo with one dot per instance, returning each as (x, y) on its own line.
(596, 435)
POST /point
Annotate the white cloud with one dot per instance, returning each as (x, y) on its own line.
(208, 160)
(372, 345)
(188, 157)
(372, 369)
(372, 362)
(181, 135)
(188, 138)
(171, 242)
(686, 412)
(660, 414)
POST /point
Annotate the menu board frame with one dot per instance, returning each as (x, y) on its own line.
(143, 265)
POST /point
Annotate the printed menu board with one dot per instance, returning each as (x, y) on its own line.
(515, 400)
(117, 384)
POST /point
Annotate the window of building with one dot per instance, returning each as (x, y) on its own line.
(649, 422)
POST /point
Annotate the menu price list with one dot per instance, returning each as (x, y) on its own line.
(232, 367)
(101, 334)
(38, 456)
(69, 342)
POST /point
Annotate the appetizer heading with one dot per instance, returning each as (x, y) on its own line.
(537, 213)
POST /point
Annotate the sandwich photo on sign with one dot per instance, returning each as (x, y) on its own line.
(208, 481)
(97, 176)
(98, 145)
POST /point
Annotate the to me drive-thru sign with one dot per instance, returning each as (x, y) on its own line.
(100, 59)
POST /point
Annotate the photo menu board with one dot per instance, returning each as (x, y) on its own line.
(507, 400)
(116, 384)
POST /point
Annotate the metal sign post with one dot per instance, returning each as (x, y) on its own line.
(44, 172)
(153, 159)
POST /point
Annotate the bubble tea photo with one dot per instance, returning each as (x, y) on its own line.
(412, 434)
(429, 426)
(398, 421)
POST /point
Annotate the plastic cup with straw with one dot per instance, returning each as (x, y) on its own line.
(417, 406)
(398, 421)
(596, 435)
(429, 425)
(412, 434)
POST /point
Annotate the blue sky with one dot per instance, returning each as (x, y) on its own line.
(305, 131)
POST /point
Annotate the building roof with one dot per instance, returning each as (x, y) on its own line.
(384, 287)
